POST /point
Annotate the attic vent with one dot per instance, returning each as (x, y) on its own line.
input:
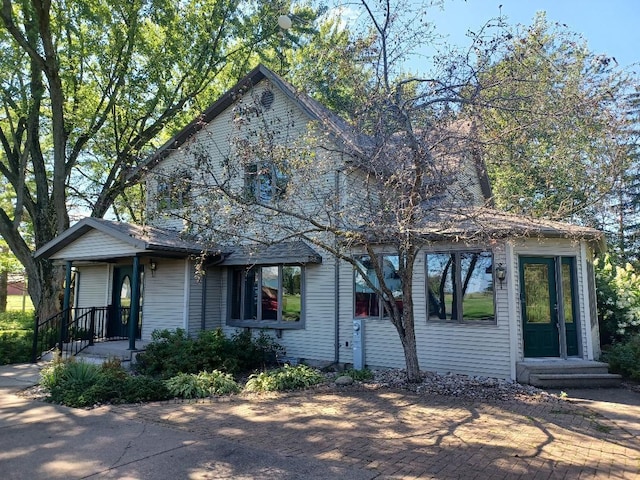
(266, 99)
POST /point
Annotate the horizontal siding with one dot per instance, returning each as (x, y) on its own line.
(442, 347)
(316, 340)
(95, 244)
(93, 287)
(214, 299)
(164, 298)
(196, 288)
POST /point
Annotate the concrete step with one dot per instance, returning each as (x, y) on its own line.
(575, 380)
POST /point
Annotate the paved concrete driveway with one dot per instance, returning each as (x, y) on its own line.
(322, 434)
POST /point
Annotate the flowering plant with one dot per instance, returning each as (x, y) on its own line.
(618, 299)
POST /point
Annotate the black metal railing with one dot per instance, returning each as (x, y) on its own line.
(75, 329)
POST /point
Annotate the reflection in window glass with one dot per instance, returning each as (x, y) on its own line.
(266, 294)
(269, 292)
(265, 182)
(477, 285)
(291, 294)
(440, 272)
(366, 300)
(251, 290)
(536, 293)
(566, 293)
(390, 266)
(460, 286)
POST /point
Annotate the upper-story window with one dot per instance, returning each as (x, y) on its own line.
(460, 286)
(265, 182)
(173, 192)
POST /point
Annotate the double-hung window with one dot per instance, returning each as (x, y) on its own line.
(367, 301)
(460, 286)
(265, 182)
(267, 296)
(174, 192)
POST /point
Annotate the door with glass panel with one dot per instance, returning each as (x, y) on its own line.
(120, 312)
(547, 296)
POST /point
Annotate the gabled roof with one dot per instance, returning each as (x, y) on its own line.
(313, 109)
(140, 237)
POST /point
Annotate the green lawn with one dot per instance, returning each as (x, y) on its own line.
(14, 303)
(16, 336)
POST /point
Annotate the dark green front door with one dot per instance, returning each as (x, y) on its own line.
(121, 302)
(547, 331)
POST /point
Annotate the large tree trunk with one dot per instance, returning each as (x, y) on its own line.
(405, 325)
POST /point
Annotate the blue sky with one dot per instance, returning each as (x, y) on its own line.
(610, 27)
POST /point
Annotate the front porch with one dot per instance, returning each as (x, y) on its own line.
(107, 331)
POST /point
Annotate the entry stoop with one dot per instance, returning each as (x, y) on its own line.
(571, 373)
(104, 351)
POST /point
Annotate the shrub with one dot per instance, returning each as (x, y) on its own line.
(201, 385)
(359, 375)
(171, 353)
(285, 378)
(79, 384)
(618, 290)
(624, 357)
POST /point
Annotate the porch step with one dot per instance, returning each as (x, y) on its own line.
(101, 352)
(571, 373)
(575, 380)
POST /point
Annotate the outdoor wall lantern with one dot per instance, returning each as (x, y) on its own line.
(153, 266)
(501, 273)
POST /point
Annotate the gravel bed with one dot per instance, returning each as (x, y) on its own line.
(460, 386)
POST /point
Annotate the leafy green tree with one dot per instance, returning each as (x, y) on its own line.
(89, 87)
(553, 132)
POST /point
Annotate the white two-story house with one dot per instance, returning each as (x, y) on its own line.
(520, 293)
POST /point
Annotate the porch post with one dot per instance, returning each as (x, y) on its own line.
(66, 302)
(134, 312)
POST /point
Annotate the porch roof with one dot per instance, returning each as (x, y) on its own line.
(483, 222)
(142, 238)
(295, 252)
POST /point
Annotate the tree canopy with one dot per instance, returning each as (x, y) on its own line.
(90, 87)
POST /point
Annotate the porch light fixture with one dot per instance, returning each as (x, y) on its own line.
(501, 273)
(153, 266)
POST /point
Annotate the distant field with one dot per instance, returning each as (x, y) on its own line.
(14, 303)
